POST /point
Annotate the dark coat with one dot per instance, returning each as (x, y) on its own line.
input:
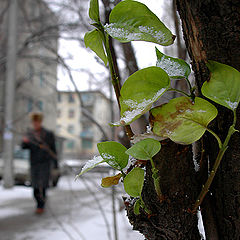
(42, 156)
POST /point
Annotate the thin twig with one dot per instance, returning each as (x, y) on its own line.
(220, 155)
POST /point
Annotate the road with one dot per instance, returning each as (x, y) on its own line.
(78, 210)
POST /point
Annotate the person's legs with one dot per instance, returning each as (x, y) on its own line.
(39, 195)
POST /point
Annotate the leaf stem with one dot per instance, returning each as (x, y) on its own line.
(209, 180)
(144, 206)
(216, 136)
(123, 174)
(114, 77)
(156, 180)
(179, 91)
(220, 155)
(189, 85)
(209, 130)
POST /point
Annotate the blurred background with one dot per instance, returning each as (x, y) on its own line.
(45, 67)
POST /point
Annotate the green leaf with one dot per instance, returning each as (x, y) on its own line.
(114, 154)
(181, 120)
(133, 182)
(223, 86)
(94, 11)
(174, 67)
(145, 149)
(91, 164)
(136, 207)
(140, 91)
(93, 40)
(110, 181)
(133, 21)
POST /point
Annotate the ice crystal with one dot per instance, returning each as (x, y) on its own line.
(92, 163)
(139, 33)
(232, 105)
(172, 68)
(138, 108)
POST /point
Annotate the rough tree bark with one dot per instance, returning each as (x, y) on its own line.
(170, 219)
(211, 31)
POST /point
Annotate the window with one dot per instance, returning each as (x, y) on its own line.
(87, 126)
(71, 113)
(70, 144)
(87, 98)
(71, 98)
(40, 105)
(71, 129)
(29, 105)
(87, 144)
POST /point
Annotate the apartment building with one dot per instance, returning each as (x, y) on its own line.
(81, 135)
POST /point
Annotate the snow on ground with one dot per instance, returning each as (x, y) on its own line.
(72, 213)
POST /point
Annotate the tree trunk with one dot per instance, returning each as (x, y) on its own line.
(211, 31)
(170, 219)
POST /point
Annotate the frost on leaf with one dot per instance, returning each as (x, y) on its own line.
(140, 91)
(223, 86)
(91, 164)
(174, 67)
(142, 33)
(133, 21)
(113, 154)
(111, 160)
(137, 109)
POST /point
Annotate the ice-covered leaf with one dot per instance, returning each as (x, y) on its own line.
(93, 40)
(133, 21)
(133, 182)
(110, 181)
(223, 86)
(91, 164)
(181, 120)
(174, 67)
(145, 149)
(140, 91)
(114, 154)
(94, 10)
(136, 207)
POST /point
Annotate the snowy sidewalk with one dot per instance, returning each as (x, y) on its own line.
(72, 213)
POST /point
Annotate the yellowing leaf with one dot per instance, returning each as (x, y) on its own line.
(181, 120)
(110, 181)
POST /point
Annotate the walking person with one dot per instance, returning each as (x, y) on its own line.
(41, 143)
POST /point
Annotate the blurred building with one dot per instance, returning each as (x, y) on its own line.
(36, 78)
(81, 135)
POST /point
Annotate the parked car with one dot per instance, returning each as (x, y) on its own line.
(21, 169)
